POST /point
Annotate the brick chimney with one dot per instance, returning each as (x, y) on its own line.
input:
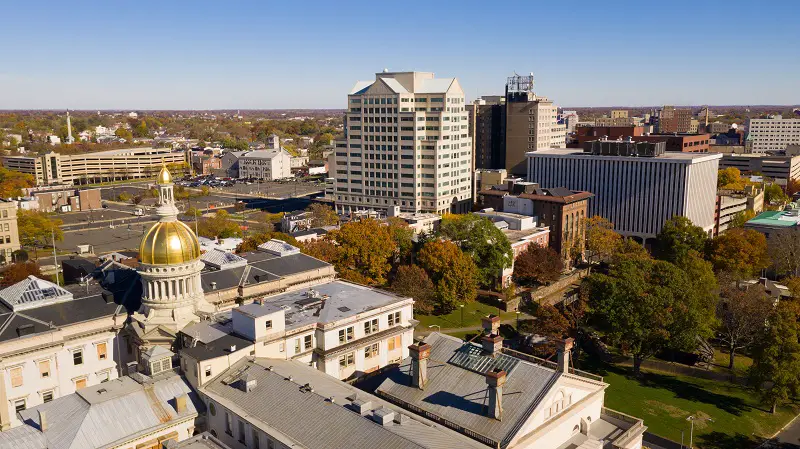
(491, 324)
(419, 352)
(564, 348)
(495, 379)
(492, 344)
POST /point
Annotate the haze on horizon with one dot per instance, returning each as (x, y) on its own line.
(307, 55)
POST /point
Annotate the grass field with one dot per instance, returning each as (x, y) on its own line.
(473, 312)
(665, 402)
(740, 363)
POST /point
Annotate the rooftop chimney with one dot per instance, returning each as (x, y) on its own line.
(42, 420)
(492, 344)
(495, 379)
(180, 403)
(491, 324)
(419, 352)
(564, 348)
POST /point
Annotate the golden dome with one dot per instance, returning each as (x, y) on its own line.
(167, 243)
(164, 176)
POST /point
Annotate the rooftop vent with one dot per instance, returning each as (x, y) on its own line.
(383, 416)
(361, 406)
(25, 329)
(213, 285)
(401, 419)
(307, 388)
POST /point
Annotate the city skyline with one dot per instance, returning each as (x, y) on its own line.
(301, 56)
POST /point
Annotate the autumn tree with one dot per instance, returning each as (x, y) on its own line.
(123, 133)
(478, 237)
(12, 182)
(677, 237)
(38, 228)
(629, 249)
(601, 240)
(742, 312)
(776, 357)
(321, 249)
(550, 323)
(452, 271)
(774, 195)
(649, 305)
(16, 272)
(219, 225)
(322, 215)
(730, 178)
(792, 186)
(739, 251)
(365, 249)
(740, 218)
(537, 265)
(414, 282)
(252, 241)
(403, 237)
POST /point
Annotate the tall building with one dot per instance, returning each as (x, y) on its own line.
(636, 185)
(772, 134)
(487, 116)
(674, 120)
(531, 123)
(9, 235)
(406, 144)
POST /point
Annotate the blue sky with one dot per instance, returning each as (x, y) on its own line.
(306, 54)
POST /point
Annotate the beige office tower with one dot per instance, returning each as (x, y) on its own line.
(531, 124)
(406, 146)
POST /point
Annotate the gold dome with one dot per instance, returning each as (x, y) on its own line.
(164, 176)
(167, 243)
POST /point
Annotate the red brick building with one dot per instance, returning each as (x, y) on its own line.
(686, 143)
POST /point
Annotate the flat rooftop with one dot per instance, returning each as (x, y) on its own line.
(775, 218)
(667, 156)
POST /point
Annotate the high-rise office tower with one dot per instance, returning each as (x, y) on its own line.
(531, 123)
(406, 144)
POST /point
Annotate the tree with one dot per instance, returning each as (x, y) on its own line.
(677, 237)
(365, 248)
(792, 186)
(601, 240)
(730, 178)
(739, 251)
(742, 312)
(205, 190)
(322, 215)
(414, 282)
(647, 306)
(784, 251)
(16, 272)
(12, 182)
(548, 322)
(220, 225)
(774, 195)
(738, 220)
(776, 357)
(483, 241)
(629, 249)
(537, 265)
(252, 241)
(403, 236)
(322, 249)
(38, 228)
(137, 199)
(452, 271)
(123, 133)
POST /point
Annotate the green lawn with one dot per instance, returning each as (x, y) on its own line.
(473, 312)
(665, 401)
(740, 363)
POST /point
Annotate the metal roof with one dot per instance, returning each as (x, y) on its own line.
(394, 85)
(457, 392)
(87, 420)
(33, 292)
(278, 248)
(222, 260)
(320, 416)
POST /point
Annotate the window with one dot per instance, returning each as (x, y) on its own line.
(345, 335)
(347, 360)
(77, 357)
(255, 438)
(370, 326)
(80, 383)
(228, 424)
(47, 396)
(208, 370)
(307, 342)
(296, 345)
(103, 377)
(241, 432)
(395, 342)
(371, 351)
(101, 351)
(44, 369)
(394, 319)
(270, 444)
(19, 405)
(16, 376)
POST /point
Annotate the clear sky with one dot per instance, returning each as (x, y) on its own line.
(265, 54)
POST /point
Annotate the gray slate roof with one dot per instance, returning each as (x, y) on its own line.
(457, 391)
(110, 412)
(312, 420)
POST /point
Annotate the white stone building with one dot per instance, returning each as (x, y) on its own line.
(406, 144)
(772, 134)
(268, 165)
